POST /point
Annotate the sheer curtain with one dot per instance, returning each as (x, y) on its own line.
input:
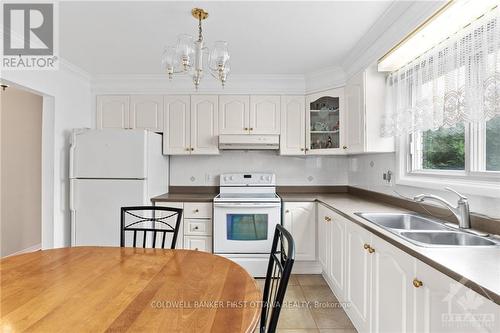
(457, 81)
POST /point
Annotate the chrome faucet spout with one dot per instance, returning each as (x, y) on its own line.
(461, 211)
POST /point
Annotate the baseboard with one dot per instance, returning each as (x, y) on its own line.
(33, 248)
(306, 267)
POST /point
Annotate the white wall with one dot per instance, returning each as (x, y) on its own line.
(204, 170)
(67, 105)
(365, 171)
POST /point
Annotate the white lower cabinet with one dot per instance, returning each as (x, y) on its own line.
(195, 231)
(300, 220)
(331, 247)
(198, 243)
(392, 290)
(445, 305)
(358, 276)
(388, 290)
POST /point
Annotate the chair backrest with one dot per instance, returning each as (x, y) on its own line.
(149, 226)
(278, 273)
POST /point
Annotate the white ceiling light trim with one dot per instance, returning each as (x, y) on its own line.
(450, 19)
(189, 56)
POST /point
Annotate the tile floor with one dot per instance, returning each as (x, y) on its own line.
(320, 315)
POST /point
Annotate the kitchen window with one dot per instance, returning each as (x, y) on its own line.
(462, 150)
(444, 105)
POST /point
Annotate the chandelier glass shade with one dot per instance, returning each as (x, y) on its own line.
(190, 56)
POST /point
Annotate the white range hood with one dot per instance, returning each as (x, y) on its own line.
(249, 141)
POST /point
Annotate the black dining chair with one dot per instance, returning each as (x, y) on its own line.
(149, 224)
(278, 273)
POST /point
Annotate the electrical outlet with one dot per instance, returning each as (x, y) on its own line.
(387, 176)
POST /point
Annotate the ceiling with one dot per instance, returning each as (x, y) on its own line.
(123, 37)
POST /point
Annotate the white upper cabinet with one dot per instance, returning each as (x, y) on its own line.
(325, 123)
(365, 104)
(300, 220)
(234, 114)
(265, 114)
(293, 117)
(113, 111)
(204, 124)
(177, 129)
(146, 112)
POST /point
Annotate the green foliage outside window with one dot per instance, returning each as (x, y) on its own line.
(444, 149)
(493, 144)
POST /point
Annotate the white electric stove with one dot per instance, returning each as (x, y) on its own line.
(246, 212)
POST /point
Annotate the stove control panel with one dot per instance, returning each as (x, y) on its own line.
(248, 179)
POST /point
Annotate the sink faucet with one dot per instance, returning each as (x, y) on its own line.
(461, 211)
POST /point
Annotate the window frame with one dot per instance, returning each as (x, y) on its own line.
(470, 180)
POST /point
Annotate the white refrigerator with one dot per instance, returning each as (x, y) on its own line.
(109, 169)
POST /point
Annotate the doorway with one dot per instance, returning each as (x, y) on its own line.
(21, 171)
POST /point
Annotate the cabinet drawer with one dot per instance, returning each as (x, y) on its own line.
(198, 210)
(198, 243)
(198, 227)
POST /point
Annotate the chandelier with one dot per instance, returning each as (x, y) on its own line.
(189, 56)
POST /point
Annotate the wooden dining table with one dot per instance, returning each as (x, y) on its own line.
(96, 289)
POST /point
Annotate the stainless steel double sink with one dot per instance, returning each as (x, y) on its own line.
(424, 231)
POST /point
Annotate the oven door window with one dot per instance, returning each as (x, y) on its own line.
(247, 227)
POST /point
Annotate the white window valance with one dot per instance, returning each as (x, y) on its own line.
(458, 81)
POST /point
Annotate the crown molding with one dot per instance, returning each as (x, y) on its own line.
(236, 84)
(326, 78)
(392, 26)
(74, 69)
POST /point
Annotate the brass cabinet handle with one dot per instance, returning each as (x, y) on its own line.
(328, 219)
(287, 211)
(366, 246)
(371, 250)
(245, 128)
(195, 228)
(251, 128)
(188, 149)
(192, 149)
(307, 149)
(302, 149)
(196, 210)
(344, 147)
(417, 283)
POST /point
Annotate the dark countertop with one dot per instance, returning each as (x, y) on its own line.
(184, 197)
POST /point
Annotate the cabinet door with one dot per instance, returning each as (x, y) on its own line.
(204, 124)
(336, 263)
(392, 288)
(265, 114)
(293, 128)
(355, 106)
(358, 276)
(176, 136)
(234, 114)
(323, 244)
(445, 305)
(198, 243)
(112, 111)
(300, 220)
(146, 112)
(325, 123)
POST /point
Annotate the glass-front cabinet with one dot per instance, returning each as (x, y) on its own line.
(325, 122)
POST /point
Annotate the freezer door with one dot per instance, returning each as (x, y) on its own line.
(95, 209)
(109, 153)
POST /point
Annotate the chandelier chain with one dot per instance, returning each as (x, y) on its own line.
(200, 31)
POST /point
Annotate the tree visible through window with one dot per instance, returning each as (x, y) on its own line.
(444, 149)
(493, 144)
